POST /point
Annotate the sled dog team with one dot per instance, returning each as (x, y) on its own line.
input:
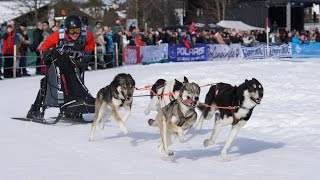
(176, 104)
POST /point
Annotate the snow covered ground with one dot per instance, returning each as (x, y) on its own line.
(281, 141)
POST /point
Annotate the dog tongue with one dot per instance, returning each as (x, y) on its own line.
(188, 101)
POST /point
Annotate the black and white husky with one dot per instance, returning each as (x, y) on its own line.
(176, 118)
(163, 92)
(110, 99)
(244, 98)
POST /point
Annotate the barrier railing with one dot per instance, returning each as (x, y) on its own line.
(96, 63)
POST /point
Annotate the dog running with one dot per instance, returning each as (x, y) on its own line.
(110, 98)
(163, 92)
(243, 98)
(177, 117)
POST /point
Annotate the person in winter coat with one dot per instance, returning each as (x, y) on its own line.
(7, 51)
(72, 36)
(72, 33)
(118, 38)
(37, 39)
(109, 47)
(23, 49)
(0, 52)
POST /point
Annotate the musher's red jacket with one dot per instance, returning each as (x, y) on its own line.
(53, 39)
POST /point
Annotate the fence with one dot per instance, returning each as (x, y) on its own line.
(94, 62)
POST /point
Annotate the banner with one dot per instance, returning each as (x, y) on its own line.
(154, 54)
(131, 55)
(311, 50)
(256, 52)
(279, 51)
(179, 53)
(223, 51)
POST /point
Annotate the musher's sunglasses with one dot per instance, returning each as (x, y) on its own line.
(74, 31)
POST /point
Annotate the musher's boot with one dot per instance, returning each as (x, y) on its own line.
(34, 112)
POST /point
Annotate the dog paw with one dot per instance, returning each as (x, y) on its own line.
(125, 131)
(224, 157)
(207, 142)
(182, 139)
(91, 140)
(160, 149)
(170, 153)
(198, 126)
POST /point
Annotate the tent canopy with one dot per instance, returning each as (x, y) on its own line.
(237, 25)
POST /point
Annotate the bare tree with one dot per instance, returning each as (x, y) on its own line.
(95, 8)
(215, 9)
(30, 7)
(156, 13)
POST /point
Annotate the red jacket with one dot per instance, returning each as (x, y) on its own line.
(53, 39)
(7, 43)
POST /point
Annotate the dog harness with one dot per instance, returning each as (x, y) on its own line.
(224, 87)
(182, 119)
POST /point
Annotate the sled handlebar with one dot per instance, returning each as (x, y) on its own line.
(69, 49)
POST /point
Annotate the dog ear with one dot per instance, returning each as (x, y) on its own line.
(134, 82)
(185, 80)
(113, 84)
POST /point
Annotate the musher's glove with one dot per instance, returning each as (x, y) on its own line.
(49, 56)
(78, 46)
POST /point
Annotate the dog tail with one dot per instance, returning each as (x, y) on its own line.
(152, 122)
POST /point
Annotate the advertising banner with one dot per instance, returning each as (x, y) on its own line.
(179, 53)
(223, 51)
(311, 50)
(131, 55)
(279, 51)
(256, 52)
(154, 54)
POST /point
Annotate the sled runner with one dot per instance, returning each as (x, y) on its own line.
(62, 87)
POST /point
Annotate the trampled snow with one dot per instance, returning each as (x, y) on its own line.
(281, 141)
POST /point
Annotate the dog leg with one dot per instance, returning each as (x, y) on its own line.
(217, 128)
(152, 105)
(176, 129)
(199, 122)
(147, 111)
(98, 115)
(163, 133)
(104, 118)
(170, 139)
(127, 114)
(102, 123)
(116, 116)
(232, 135)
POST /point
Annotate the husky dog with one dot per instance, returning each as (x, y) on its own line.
(110, 99)
(159, 93)
(177, 118)
(243, 98)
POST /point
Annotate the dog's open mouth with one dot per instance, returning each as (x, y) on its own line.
(190, 102)
(256, 100)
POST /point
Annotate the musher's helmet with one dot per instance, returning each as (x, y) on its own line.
(72, 22)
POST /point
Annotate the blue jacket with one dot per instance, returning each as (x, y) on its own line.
(109, 45)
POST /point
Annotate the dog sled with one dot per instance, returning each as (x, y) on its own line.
(62, 87)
